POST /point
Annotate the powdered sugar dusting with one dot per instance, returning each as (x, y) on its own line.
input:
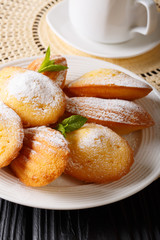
(134, 140)
(60, 77)
(121, 111)
(33, 87)
(36, 143)
(55, 138)
(11, 122)
(99, 154)
(8, 115)
(95, 135)
(108, 77)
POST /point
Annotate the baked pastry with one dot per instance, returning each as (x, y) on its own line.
(107, 83)
(122, 116)
(5, 74)
(59, 77)
(98, 154)
(11, 135)
(33, 96)
(43, 157)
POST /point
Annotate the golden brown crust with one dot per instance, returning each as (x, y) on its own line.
(11, 135)
(43, 157)
(6, 73)
(120, 115)
(107, 83)
(33, 96)
(108, 92)
(98, 154)
(58, 77)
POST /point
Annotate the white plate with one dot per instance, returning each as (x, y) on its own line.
(59, 22)
(68, 193)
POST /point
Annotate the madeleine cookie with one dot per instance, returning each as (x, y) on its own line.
(11, 135)
(5, 74)
(33, 96)
(59, 77)
(43, 157)
(108, 83)
(122, 116)
(98, 154)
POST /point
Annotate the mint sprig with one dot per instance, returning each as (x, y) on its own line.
(71, 124)
(49, 65)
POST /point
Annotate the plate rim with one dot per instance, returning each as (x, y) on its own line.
(139, 188)
(120, 56)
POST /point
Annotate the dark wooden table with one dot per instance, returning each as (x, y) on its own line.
(134, 218)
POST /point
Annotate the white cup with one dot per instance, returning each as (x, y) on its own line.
(113, 21)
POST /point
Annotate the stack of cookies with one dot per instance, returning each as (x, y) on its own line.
(33, 101)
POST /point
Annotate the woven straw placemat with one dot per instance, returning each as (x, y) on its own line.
(24, 33)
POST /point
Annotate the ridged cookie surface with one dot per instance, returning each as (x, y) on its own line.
(98, 154)
(122, 116)
(43, 157)
(108, 83)
(11, 135)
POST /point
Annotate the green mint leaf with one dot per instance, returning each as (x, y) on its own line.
(75, 123)
(48, 53)
(71, 124)
(74, 119)
(46, 59)
(61, 129)
(74, 126)
(48, 65)
(52, 68)
(52, 62)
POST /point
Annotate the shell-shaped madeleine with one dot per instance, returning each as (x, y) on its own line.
(59, 77)
(108, 83)
(32, 95)
(43, 157)
(122, 116)
(11, 135)
(98, 154)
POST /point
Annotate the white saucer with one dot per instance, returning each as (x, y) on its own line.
(59, 22)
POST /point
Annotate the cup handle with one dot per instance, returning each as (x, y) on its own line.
(152, 17)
